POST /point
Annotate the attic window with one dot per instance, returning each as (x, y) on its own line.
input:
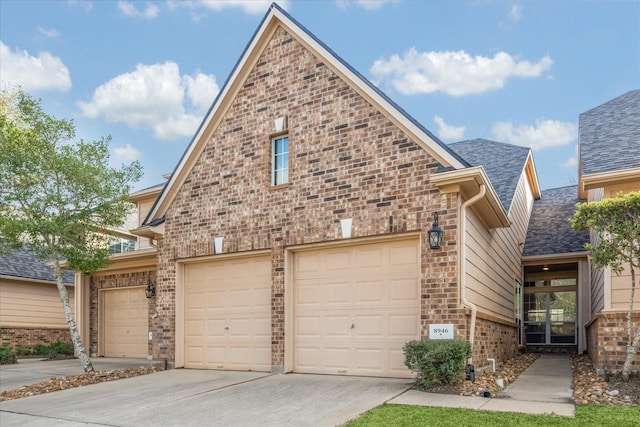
(280, 160)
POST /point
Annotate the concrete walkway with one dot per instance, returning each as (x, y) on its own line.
(543, 388)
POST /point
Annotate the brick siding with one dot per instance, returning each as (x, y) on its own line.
(28, 337)
(606, 341)
(346, 160)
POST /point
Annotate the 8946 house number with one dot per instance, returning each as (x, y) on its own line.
(441, 331)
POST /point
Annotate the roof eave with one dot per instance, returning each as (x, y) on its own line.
(467, 182)
(602, 179)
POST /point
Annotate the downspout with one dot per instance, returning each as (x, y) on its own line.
(463, 264)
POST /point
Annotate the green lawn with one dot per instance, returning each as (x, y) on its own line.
(407, 416)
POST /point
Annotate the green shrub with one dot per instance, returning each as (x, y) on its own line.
(41, 349)
(61, 348)
(437, 361)
(53, 350)
(7, 356)
(24, 351)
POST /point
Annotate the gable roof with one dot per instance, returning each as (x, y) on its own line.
(274, 18)
(502, 162)
(549, 231)
(23, 264)
(609, 135)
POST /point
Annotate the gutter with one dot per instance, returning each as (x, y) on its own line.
(463, 263)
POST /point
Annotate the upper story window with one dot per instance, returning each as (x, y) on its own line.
(118, 245)
(280, 160)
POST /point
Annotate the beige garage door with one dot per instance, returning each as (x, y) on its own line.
(355, 307)
(228, 314)
(126, 323)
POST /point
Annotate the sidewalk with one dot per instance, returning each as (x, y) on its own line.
(543, 388)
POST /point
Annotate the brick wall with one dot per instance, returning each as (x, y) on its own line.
(346, 160)
(28, 337)
(606, 341)
(493, 339)
(111, 281)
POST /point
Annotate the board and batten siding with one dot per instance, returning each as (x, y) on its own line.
(493, 256)
(32, 305)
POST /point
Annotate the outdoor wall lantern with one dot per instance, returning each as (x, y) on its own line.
(150, 292)
(435, 234)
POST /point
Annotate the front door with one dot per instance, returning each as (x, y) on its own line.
(550, 312)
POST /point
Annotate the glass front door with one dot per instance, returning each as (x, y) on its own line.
(550, 317)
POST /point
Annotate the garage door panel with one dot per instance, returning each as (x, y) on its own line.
(369, 358)
(403, 289)
(336, 262)
(378, 293)
(336, 357)
(368, 258)
(402, 255)
(403, 327)
(237, 312)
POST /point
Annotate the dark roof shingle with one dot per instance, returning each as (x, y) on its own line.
(25, 264)
(502, 162)
(609, 135)
(550, 231)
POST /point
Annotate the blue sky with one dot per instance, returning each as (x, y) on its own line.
(145, 72)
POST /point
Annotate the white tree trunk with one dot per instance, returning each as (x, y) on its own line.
(632, 342)
(73, 329)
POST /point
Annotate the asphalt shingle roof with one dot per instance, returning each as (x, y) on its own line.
(609, 135)
(549, 229)
(25, 264)
(502, 162)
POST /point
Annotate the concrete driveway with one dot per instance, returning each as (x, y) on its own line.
(186, 397)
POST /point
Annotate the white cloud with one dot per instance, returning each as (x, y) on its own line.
(253, 7)
(515, 13)
(127, 153)
(543, 134)
(87, 5)
(156, 96)
(49, 32)
(454, 73)
(129, 9)
(570, 163)
(365, 4)
(448, 132)
(42, 72)
(199, 90)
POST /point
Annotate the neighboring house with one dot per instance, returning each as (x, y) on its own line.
(113, 312)
(294, 234)
(30, 308)
(609, 141)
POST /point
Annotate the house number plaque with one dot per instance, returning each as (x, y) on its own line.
(442, 331)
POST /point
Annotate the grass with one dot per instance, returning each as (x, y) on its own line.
(407, 416)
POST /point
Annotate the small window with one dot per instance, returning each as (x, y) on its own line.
(119, 245)
(280, 160)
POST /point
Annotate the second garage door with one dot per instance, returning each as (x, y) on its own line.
(126, 322)
(355, 307)
(228, 314)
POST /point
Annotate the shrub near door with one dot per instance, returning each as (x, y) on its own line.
(437, 361)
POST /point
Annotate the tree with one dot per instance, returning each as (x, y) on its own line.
(616, 222)
(58, 198)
